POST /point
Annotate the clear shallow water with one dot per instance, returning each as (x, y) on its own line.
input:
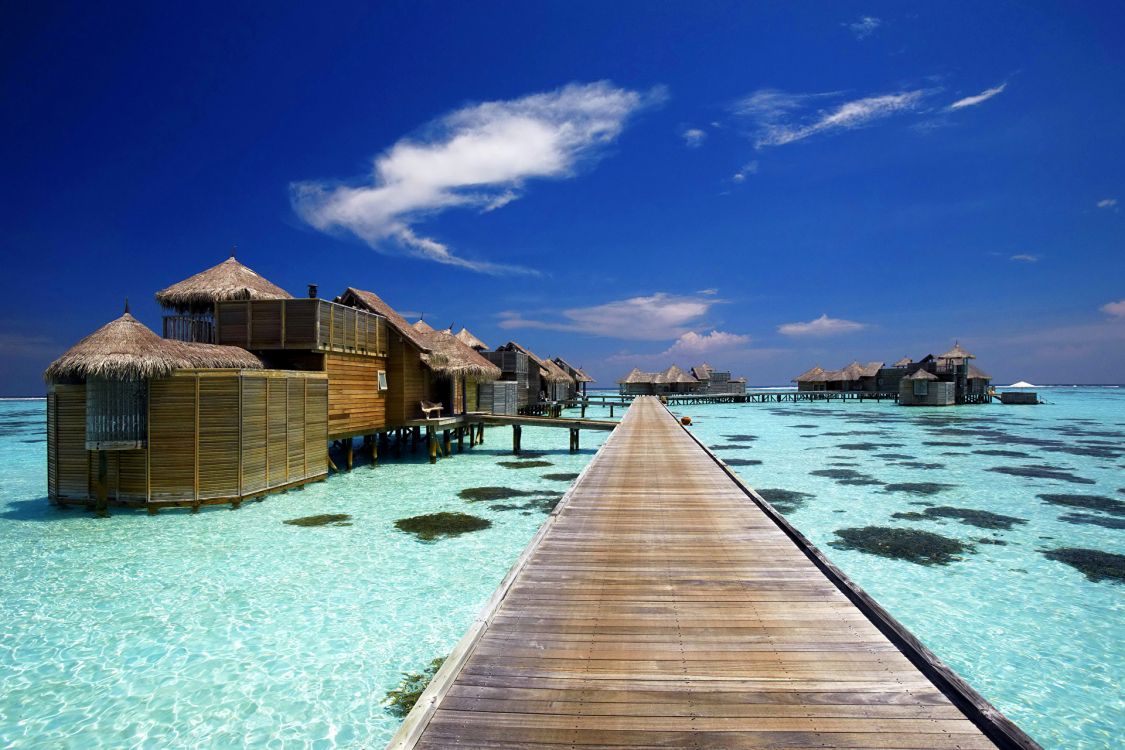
(1034, 636)
(231, 628)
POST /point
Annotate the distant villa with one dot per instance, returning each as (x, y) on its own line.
(702, 380)
(944, 380)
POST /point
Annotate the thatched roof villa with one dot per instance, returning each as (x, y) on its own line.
(245, 390)
(136, 419)
(190, 304)
(908, 379)
(471, 341)
(703, 379)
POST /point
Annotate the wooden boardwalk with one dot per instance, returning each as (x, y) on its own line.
(664, 605)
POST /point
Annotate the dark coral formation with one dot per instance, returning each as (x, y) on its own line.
(562, 477)
(741, 461)
(784, 500)
(912, 545)
(433, 526)
(1101, 503)
(524, 464)
(1041, 472)
(401, 699)
(478, 494)
(982, 519)
(918, 488)
(324, 519)
(1094, 564)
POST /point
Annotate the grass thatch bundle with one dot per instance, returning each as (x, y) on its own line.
(230, 280)
(449, 357)
(125, 349)
(471, 341)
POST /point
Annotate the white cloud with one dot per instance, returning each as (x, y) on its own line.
(972, 101)
(778, 118)
(480, 157)
(1107, 203)
(865, 26)
(1025, 258)
(822, 326)
(1116, 309)
(692, 344)
(694, 137)
(656, 317)
(748, 168)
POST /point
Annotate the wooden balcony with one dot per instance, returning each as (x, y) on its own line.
(307, 324)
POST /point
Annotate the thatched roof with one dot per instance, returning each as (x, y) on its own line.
(957, 353)
(675, 375)
(921, 375)
(124, 349)
(977, 373)
(703, 371)
(904, 362)
(814, 375)
(230, 280)
(371, 302)
(470, 340)
(552, 373)
(871, 369)
(575, 372)
(422, 327)
(449, 357)
(636, 375)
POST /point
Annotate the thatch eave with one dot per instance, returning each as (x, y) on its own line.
(227, 281)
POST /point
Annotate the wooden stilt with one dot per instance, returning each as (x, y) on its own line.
(416, 437)
(332, 465)
(431, 438)
(516, 433)
(611, 411)
(480, 434)
(398, 442)
(446, 443)
(102, 488)
(374, 449)
(348, 446)
(460, 439)
(152, 510)
(573, 440)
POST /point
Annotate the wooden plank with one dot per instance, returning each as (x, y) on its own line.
(662, 605)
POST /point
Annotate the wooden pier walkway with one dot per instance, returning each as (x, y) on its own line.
(663, 604)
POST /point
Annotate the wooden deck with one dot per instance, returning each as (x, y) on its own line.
(664, 604)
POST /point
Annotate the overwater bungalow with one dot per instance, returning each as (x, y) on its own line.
(580, 378)
(672, 380)
(851, 377)
(538, 380)
(969, 385)
(139, 420)
(717, 382)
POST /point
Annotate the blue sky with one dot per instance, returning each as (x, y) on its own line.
(763, 186)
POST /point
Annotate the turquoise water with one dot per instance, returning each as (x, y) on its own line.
(230, 628)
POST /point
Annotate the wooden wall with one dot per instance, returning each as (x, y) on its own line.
(356, 406)
(213, 435)
(408, 382)
(471, 398)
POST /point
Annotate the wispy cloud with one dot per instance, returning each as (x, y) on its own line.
(747, 169)
(479, 157)
(864, 27)
(1116, 309)
(822, 326)
(656, 317)
(778, 118)
(692, 344)
(693, 137)
(1025, 258)
(972, 101)
(1107, 203)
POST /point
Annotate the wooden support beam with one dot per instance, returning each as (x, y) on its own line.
(460, 439)
(102, 487)
(349, 444)
(398, 442)
(416, 436)
(374, 449)
(480, 434)
(431, 438)
(516, 433)
(446, 443)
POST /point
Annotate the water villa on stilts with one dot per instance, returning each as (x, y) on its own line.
(247, 389)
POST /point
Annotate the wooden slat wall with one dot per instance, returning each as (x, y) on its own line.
(471, 399)
(72, 463)
(355, 403)
(296, 465)
(253, 434)
(277, 456)
(316, 426)
(219, 430)
(408, 382)
(52, 444)
(171, 438)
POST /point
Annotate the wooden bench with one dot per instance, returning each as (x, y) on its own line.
(429, 407)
